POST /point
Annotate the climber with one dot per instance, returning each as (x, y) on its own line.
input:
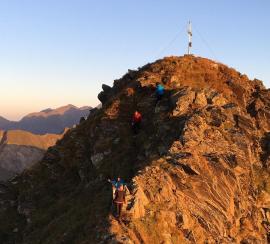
(136, 121)
(119, 200)
(116, 184)
(159, 92)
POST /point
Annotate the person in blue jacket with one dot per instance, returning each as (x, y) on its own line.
(116, 183)
(159, 92)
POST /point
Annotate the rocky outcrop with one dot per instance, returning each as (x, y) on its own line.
(20, 150)
(105, 94)
(198, 170)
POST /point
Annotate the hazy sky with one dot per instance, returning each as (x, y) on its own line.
(56, 52)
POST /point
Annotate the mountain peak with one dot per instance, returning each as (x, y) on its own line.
(197, 170)
(48, 112)
(48, 120)
(2, 119)
(195, 72)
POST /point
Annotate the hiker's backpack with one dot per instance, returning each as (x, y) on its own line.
(160, 90)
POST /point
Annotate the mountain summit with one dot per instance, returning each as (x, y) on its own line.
(58, 111)
(198, 170)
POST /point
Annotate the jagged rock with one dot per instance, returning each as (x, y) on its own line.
(181, 101)
(106, 88)
(159, 109)
(219, 100)
(200, 99)
(105, 94)
(102, 97)
(82, 119)
(138, 203)
(264, 200)
(96, 159)
(116, 140)
(132, 73)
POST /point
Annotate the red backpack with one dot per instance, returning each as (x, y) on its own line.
(137, 117)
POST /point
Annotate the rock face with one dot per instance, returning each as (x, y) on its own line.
(19, 150)
(52, 121)
(198, 171)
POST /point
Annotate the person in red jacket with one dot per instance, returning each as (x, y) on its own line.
(136, 121)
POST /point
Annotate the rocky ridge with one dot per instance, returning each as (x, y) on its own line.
(198, 171)
(19, 150)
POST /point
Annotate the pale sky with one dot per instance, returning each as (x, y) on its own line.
(59, 52)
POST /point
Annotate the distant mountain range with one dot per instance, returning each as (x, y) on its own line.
(23, 143)
(47, 121)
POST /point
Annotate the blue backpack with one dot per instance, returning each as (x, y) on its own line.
(160, 90)
(117, 184)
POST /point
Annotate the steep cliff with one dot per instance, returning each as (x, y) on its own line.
(198, 170)
(19, 150)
